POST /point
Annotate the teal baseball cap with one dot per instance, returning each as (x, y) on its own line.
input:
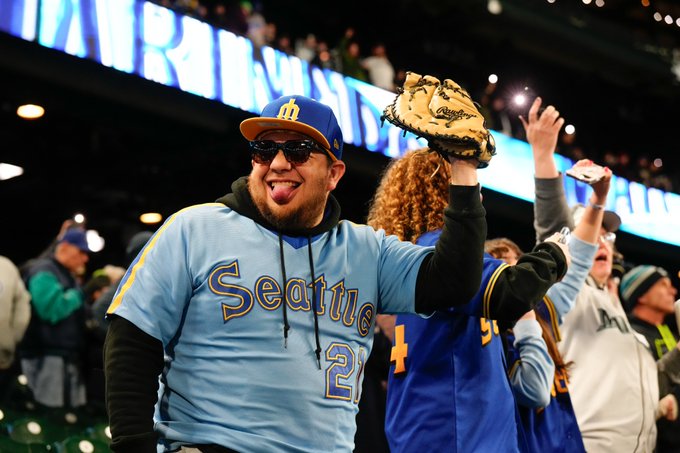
(637, 281)
(299, 114)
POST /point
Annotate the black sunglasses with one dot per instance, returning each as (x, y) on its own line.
(295, 151)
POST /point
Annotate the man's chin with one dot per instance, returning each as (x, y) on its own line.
(282, 216)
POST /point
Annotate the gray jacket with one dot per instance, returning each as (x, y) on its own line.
(15, 311)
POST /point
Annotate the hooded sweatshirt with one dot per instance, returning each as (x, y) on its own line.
(249, 362)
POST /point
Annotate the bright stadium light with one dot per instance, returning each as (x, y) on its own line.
(30, 111)
(9, 171)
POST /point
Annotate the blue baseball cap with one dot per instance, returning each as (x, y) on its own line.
(299, 114)
(78, 238)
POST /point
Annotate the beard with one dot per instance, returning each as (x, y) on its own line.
(292, 216)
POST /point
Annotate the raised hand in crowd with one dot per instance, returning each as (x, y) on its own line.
(542, 130)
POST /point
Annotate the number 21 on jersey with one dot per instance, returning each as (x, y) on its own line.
(344, 375)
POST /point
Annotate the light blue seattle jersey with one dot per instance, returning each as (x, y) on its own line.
(208, 285)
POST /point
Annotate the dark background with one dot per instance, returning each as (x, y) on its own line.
(113, 146)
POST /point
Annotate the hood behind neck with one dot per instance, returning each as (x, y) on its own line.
(240, 201)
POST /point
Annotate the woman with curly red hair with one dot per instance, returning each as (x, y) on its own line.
(450, 365)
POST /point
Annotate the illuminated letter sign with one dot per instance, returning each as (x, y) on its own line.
(158, 44)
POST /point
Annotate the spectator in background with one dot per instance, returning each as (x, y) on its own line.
(350, 56)
(379, 67)
(15, 313)
(326, 58)
(659, 179)
(553, 427)
(494, 110)
(283, 43)
(202, 12)
(499, 115)
(648, 296)
(232, 16)
(270, 34)
(53, 345)
(66, 225)
(305, 49)
(623, 167)
(218, 16)
(95, 286)
(351, 62)
(596, 334)
(644, 173)
(188, 7)
(399, 77)
(568, 147)
(610, 160)
(257, 25)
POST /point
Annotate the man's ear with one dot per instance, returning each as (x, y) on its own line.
(336, 170)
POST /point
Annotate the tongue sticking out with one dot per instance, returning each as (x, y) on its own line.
(281, 193)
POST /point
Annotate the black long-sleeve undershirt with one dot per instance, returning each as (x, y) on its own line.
(133, 360)
(452, 274)
(520, 287)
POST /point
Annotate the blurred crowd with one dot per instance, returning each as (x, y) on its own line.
(60, 349)
(372, 64)
(651, 171)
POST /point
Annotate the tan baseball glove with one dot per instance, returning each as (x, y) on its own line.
(445, 115)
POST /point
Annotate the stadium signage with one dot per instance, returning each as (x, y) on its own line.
(161, 45)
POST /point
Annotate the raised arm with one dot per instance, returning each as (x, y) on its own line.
(551, 211)
(456, 265)
(588, 228)
(582, 246)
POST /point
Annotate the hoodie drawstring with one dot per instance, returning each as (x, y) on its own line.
(316, 316)
(286, 326)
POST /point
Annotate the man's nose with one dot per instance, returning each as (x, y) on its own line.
(280, 162)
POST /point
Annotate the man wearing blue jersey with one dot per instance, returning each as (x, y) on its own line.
(257, 311)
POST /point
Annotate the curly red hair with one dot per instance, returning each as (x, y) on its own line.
(412, 195)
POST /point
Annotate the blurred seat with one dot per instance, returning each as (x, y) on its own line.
(7, 416)
(71, 421)
(100, 432)
(40, 430)
(8, 445)
(80, 444)
(20, 396)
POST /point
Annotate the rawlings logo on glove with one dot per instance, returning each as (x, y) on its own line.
(445, 115)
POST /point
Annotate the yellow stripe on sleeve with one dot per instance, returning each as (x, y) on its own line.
(140, 263)
(489, 289)
(554, 322)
